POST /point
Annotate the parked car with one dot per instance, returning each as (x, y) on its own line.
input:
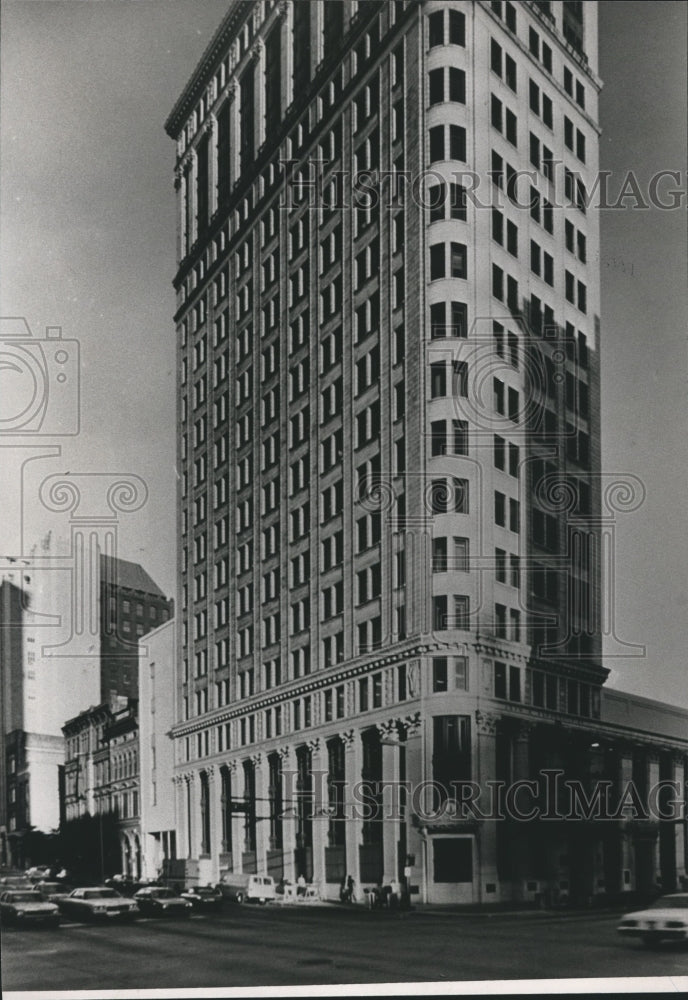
(24, 906)
(97, 903)
(52, 891)
(161, 901)
(123, 884)
(204, 897)
(242, 888)
(664, 920)
(15, 882)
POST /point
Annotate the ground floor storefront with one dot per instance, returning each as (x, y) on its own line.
(466, 808)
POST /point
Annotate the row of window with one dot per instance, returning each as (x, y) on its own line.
(548, 691)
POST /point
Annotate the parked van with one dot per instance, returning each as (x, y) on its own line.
(244, 888)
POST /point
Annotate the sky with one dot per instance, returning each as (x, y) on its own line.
(88, 243)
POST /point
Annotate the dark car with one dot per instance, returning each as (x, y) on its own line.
(24, 906)
(157, 900)
(97, 903)
(204, 897)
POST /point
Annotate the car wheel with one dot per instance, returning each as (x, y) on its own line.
(240, 897)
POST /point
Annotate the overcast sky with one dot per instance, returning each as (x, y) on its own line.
(88, 243)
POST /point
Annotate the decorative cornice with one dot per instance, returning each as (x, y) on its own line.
(238, 12)
(294, 689)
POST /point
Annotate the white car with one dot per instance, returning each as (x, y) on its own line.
(24, 906)
(665, 920)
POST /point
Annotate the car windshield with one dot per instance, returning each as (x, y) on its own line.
(101, 894)
(671, 903)
(161, 893)
(51, 887)
(25, 897)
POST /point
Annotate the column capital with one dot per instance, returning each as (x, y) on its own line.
(256, 759)
(486, 723)
(348, 738)
(389, 732)
(209, 126)
(257, 50)
(314, 745)
(284, 754)
(284, 8)
(413, 725)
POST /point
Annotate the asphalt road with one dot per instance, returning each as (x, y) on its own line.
(270, 946)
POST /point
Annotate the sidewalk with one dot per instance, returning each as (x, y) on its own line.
(499, 912)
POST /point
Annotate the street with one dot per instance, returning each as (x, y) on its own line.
(271, 946)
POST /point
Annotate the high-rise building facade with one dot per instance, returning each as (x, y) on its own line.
(389, 441)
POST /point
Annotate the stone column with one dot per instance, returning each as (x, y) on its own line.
(258, 55)
(520, 845)
(320, 803)
(678, 767)
(652, 782)
(353, 762)
(192, 846)
(215, 795)
(234, 140)
(288, 812)
(391, 815)
(286, 9)
(486, 875)
(415, 844)
(260, 764)
(180, 815)
(211, 129)
(626, 852)
(238, 793)
(192, 197)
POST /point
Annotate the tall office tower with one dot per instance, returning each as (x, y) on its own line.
(387, 336)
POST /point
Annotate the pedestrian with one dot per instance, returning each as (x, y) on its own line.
(349, 889)
(301, 885)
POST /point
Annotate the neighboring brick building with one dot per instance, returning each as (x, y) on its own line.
(101, 774)
(131, 606)
(390, 502)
